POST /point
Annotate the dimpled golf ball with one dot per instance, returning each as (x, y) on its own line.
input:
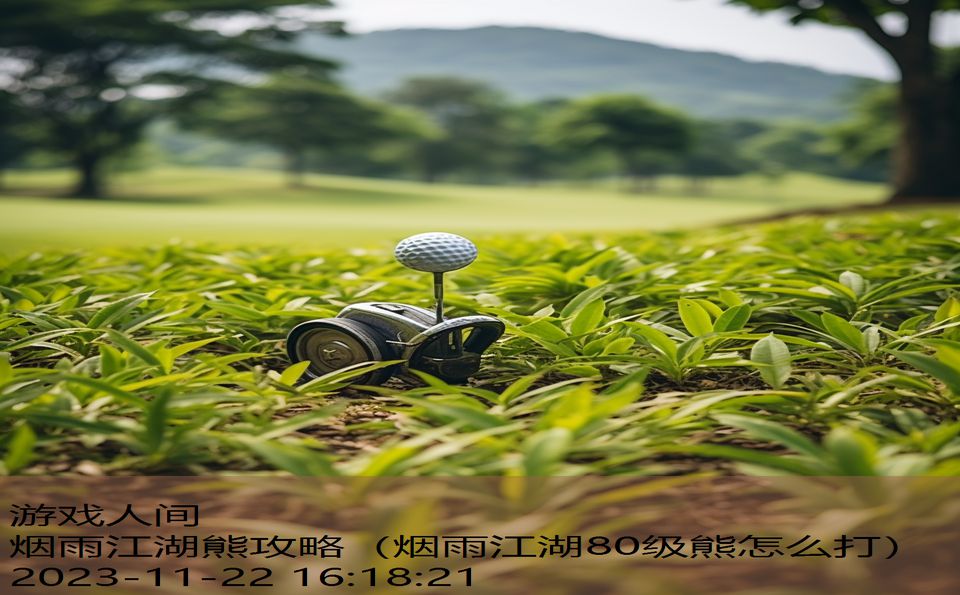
(435, 252)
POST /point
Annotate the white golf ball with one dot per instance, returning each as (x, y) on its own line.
(435, 252)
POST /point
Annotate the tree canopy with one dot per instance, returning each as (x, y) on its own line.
(928, 101)
(89, 67)
(643, 136)
(297, 114)
(470, 118)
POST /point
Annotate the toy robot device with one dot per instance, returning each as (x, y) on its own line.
(449, 349)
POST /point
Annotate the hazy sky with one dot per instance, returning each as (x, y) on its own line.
(691, 24)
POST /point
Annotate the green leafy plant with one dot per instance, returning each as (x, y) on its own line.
(810, 346)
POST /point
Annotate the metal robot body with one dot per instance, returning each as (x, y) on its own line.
(449, 349)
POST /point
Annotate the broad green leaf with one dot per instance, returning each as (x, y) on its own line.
(588, 318)
(771, 431)
(132, 347)
(20, 449)
(789, 465)
(181, 350)
(871, 338)
(772, 357)
(854, 281)
(6, 370)
(292, 458)
(155, 423)
(939, 370)
(543, 450)
(582, 299)
(855, 453)
(113, 312)
(111, 360)
(657, 339)
(695, 318)
(291, 375)
(729, 298)
(948, 309)
(543, 329)
(519, 387)
(733, 319)
(618, 346)
(844, 332)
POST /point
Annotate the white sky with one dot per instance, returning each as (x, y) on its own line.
(690, 24)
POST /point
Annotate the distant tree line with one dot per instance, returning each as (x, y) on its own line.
(86, 97)
(443, 128)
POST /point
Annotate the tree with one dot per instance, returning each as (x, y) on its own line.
(928, 146)
(15, 128)
(644, 137)
(82, 64)
(297, 114)
(471, 118)
(532, 157)
(867, 139)
(715, 153)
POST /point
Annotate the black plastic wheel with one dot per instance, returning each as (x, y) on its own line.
(331, 344)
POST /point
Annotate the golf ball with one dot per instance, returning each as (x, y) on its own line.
(435, 252)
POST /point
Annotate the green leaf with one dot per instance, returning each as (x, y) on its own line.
(131, 346)
(854, 281)
(519, 387)
(871, 338)
(291, 375)
(116, 310)
(657, 339)
(771, 356)
(618, 346)
(733, 319)
(20, 449)
(770, 431)
(106, 387)
(588, 318)
(543, 450)
(855, 453)
(729, 298)
(947, 310)
(544, 329)
(111, 360)
(6, 370)
(585, 297)
(186, 348)
(465, 415)
(292, 458)
(938, 369)
(155, 422)
(844, 332)
(695, 318)
(777, 462)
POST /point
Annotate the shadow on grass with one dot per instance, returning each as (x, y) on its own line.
(333, 195)
(58, 195)
(305, 195)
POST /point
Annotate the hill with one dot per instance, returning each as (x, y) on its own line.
(533, 63)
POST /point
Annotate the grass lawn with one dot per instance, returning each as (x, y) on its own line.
(254, 207)
(810, 346)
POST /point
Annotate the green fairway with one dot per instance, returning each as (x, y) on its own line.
(250, 206)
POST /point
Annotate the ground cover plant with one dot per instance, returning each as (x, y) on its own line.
(811, 346)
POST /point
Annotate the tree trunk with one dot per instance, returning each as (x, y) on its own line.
(927, 158)
(429, 174)
(296, 166)
(90, 170)
(698, 185)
